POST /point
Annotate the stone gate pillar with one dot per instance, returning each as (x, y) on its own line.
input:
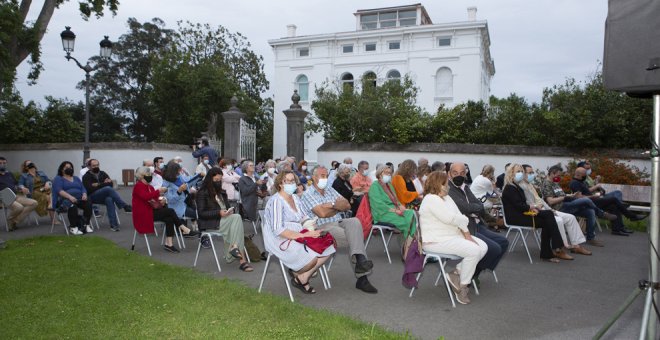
(232, 142)
(295, 128)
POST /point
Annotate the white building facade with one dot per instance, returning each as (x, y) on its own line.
(450, 63)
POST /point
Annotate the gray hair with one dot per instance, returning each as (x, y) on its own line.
(343, 167)
(269, 163)
(141, 172)
(245, 165)
(380, 169)
(348, 159)
(316, 169)
(363, 163)
(282, 164)
(147, 161)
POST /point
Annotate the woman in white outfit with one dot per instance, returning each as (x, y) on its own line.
(484, 185)
(444, 230)
(283, 218)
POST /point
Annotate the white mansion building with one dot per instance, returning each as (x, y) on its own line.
(450, 63)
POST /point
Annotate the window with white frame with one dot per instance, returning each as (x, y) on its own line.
(394, 75)
(388, 19)
(370, 79)
(302, 85)
(444, 41)
(444, 83)
(348, 48)
(347, 81)
(303, 52)
(394, 45)
(370, 47)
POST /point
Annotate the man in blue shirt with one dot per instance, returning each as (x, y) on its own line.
(323, 202)
(22, 206)
(205, 149)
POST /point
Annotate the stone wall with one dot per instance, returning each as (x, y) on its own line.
(113, 156)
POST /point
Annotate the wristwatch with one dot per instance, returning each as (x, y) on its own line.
(333, 204)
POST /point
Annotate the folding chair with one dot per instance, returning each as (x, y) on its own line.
(96, 219)
(523, 232)
(442, 261)
(177, 234)
(210, 235)
(146, 240)
(58, 215)
(382, 227)
(7, 198)
(322, 271)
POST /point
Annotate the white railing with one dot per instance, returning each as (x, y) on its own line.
(248, 141)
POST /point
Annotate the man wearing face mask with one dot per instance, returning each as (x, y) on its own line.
(205, 149)
(472, 207)
(99, 188)
(324, 203)
(22, 206)
(361, 182)
(555, 196)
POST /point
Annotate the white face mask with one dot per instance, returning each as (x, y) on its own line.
(387, 178)
(151, 169)
(206, 161)
(322, 183)
(271, 171)
(303, 168)
(290, 188)
(228, 167)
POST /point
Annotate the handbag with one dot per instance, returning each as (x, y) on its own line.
(414, 262)
(155, 204)
(317, 244)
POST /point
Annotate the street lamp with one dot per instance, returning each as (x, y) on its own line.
(68, 42)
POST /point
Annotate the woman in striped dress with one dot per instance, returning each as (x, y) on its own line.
(283, 220)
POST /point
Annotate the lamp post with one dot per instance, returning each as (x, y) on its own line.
(68, 42)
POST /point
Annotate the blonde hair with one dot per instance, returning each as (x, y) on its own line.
(511, 173)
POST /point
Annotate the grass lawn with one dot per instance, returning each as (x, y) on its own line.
(87, 287)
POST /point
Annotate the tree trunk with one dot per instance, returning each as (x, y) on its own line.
(18, 52)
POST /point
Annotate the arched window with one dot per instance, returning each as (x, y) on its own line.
(347, 81)
(369, 79)
(393, 75)
(444, 83)
(302, 85)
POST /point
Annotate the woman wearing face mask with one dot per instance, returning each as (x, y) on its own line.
(385, 207)
(249, 185)
(144, 214)
(229, 178)
(215, 215)
(283, 218)
(176, 194)
(70, 195)
(204, 166)
(302, 172)
(344, 187)
(515, 206)
(268, 177)
(36, 185)
(404, 186)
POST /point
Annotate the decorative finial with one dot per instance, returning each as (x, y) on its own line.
(233, 101)
(295, 98)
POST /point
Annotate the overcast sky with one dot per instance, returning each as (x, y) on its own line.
(534, 44)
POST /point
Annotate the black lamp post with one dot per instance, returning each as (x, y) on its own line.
(68, 42)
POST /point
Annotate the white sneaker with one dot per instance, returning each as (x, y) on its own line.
(89, 229)
(75, 231)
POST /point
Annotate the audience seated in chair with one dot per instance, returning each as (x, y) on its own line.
(69, 195)
(22, 206)
(36, 185)
(99, 188)
(404, 186)
(176, 195)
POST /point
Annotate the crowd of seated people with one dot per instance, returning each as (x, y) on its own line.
(439, 200)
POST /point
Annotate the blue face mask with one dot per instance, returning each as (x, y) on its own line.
(530, 177)
(290, 188)
(518, 177)
(588, 172)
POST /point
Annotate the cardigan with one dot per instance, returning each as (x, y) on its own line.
(440, 218)
(402, 193)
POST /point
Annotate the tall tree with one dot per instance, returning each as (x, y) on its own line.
(20, 38)
(125, 85)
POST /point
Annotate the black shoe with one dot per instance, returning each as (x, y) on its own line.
(114, 228)
(432, 260)
(627, 231)
(363, 267)
(619, 233)
(191, 234)
(364, 285)
(635, 217)
(128, 208)
(264, 255)
(171, 249)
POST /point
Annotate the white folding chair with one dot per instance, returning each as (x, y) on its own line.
(442, 261)
(96, 221)
(322, 271)
(7, 198)
(177, 234)
(382, 228)
(58, 215)
(523, 232)
(146, 240)
(210, 235)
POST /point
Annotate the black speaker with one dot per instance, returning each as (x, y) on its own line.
(631, 61)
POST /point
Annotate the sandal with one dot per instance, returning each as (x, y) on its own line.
(235, 253)
(551, 260)
(246, 267)
(296, 283)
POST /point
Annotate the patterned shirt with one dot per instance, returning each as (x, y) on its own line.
(552, 189)
(312, 198)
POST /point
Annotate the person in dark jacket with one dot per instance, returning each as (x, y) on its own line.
(248, 186)
(515, 206)
(99, 188)
(342, 185)
(216, 215)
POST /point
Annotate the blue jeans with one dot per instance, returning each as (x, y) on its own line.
(109, 197)
(497, 246)
(584, 207)
(616, 194)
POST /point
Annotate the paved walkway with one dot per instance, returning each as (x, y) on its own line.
(570, 300)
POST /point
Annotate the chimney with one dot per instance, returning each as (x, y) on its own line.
(291, 30)
(472, 13)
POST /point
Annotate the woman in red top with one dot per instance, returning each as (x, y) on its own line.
(143, 212)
